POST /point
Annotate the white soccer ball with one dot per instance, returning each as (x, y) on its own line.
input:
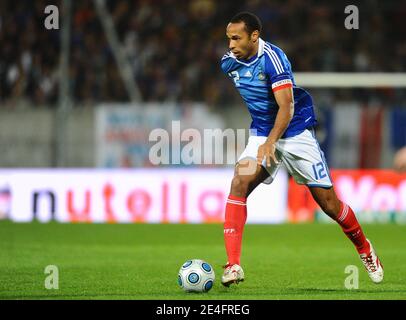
(196, 276)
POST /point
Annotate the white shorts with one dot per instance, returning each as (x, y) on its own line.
(301, 156)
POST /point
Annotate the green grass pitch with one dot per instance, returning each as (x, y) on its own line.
(141, 261)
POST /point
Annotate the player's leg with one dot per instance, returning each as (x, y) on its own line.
(345, 217)
(328, 201)
(305, 162)
(247, 176)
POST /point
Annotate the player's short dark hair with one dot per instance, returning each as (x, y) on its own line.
(252, 22)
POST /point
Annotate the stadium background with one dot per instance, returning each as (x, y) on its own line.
(78, 105)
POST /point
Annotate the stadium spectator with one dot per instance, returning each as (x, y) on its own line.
(175, 46)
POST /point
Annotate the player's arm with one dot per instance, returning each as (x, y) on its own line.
(285, 101)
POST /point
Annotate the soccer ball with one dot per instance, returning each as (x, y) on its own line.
(196, 276)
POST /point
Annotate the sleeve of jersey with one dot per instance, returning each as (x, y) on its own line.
(226, 62)
(280, 78)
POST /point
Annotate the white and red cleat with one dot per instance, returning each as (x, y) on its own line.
(232, 274)
(373, 265)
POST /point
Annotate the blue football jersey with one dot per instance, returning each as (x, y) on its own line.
(258, 78)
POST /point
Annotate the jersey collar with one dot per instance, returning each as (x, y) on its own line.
(261, 45)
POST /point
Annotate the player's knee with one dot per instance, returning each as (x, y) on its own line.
(240, 186)
(330, 206)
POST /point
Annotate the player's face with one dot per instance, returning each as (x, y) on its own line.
(241, 44)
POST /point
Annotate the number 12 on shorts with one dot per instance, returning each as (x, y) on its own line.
(319, 170)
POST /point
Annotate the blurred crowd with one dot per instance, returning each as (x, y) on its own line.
(174, 47)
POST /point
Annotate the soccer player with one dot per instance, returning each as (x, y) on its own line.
(281, 132)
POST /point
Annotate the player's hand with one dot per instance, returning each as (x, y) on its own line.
(267, 150)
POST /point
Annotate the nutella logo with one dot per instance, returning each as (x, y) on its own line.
(149, 198)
